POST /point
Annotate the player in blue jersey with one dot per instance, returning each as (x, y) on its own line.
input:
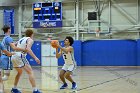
(8, 54)
(9, 45)
(69, 66)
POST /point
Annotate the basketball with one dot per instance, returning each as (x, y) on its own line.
(54, 43)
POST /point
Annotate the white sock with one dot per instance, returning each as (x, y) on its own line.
(34, 89)
(1, 88)
(1, 91)
(15, 87)
(5, 77)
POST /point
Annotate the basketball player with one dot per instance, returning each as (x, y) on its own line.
(8, 54)
(8, 43)
(21, 63)
(69, 66)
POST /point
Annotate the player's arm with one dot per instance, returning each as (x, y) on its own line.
(13, 46)
(16, 43)
(5, 51)
(16, 48)
(29, 45)
(66, 50)
(58, 54)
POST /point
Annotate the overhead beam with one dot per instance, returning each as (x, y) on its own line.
(125, 13)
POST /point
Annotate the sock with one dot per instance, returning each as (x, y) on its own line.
(34, 89)
(5, 77)
(15, 87)
(1, 91)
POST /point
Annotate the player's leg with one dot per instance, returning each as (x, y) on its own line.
(6, 75)
(19, 73)
(30, 73)
(16, 62)
(1, 83)
(68, 76)
(6, 66)
(62, 76)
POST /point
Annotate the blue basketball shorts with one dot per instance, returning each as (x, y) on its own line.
(6, 63)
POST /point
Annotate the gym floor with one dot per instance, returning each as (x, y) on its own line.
(89, 80)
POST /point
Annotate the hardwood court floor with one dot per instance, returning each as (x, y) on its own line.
(89, 80)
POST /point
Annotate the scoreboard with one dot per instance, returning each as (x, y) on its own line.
(47, 15)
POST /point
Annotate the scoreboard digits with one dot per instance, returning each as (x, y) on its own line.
(47, 14)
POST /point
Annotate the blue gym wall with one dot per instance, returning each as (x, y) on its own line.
(138, 52)
(106, 53)
(99, 53)
(109, 53)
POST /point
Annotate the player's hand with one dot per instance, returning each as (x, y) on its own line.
(12, 53)
(37, 60)
(57, 49)
(57, 44)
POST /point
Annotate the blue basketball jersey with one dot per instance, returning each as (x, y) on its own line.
(6, 42)
(6, 63)
(2, 47)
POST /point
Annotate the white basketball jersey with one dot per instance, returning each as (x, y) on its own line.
(22, 43)
(68, 57)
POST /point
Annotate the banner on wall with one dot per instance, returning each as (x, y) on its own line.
(8, 19)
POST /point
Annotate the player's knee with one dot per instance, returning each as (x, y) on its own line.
(7, 72)
(61, 75)
(30, 72)
(66, 75)
(19, 73)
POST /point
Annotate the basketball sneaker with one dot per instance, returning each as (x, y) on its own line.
(37, 91)
(74, 85)
(64, 86)
(15, 91)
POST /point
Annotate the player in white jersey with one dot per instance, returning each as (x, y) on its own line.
(20, 62)
(69, 66)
